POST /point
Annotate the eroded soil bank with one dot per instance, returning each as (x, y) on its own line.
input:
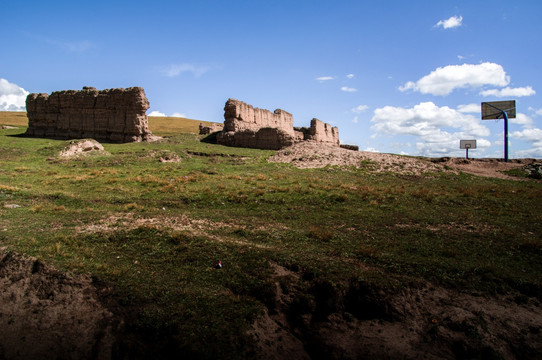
(363, 321)
(46, 313)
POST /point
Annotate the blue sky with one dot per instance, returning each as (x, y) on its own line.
(404, 77)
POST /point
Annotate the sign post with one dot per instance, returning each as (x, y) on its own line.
(467, 144)
(500, 110)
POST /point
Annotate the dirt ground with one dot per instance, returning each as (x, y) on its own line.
(315, 155)
(46, 313)
(421, 322)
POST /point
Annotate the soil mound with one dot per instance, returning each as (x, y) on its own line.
(311, 154)
(82, 147)
(488, 167)
(317, 155)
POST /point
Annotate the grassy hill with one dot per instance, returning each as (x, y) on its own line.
(304, 244)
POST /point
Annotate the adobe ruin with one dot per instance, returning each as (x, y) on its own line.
(246, 126)
(115, 115)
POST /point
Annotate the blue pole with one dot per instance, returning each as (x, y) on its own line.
(505, 136)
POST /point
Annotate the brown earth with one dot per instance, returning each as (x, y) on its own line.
(46, 313)
(317, 155)
(366, 322)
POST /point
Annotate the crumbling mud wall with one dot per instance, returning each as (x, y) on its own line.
(246, 126)
(210, 128)
(321, 132)
(116, 115)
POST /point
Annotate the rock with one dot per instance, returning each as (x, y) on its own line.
(170, 158)
(534, 171)
(81, 147)
(117, 115)
(246, 126)
(12, 206)
(350, 147)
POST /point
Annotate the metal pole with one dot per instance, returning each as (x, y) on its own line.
(467, 153)
(505, 136)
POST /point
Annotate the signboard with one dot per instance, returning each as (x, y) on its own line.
(467, 144)
(494, 109)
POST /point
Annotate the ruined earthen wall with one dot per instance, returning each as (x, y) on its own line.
(117, 115)
(209, 129)
(323, 132)
(241, 116)
(246, 126)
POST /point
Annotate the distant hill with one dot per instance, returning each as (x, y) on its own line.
(160, 125)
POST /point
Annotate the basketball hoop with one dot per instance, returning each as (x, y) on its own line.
(467, 144)
(500, 110)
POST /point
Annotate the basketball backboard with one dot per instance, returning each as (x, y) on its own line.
(494, 109)
(467, 144)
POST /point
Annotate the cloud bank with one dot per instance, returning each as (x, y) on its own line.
(161, 114)
(12, 96)
(438, 129)
(444, 80)
(509, 92)
(532, 136)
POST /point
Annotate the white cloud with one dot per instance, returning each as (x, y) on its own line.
(355, 120)
(533, 136)
(444, 80)
(450, 146)
(359, 109)
(470, 108)
(161, 114)
(12, 96)
(439, 129)
(157, 113)
(350, 76)
(508, 91)
(452, 22)
(371, 149)
(178, 69)
(325, 78)
(522, 119)
(348, 89)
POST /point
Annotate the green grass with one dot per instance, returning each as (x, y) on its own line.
(154, 230)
